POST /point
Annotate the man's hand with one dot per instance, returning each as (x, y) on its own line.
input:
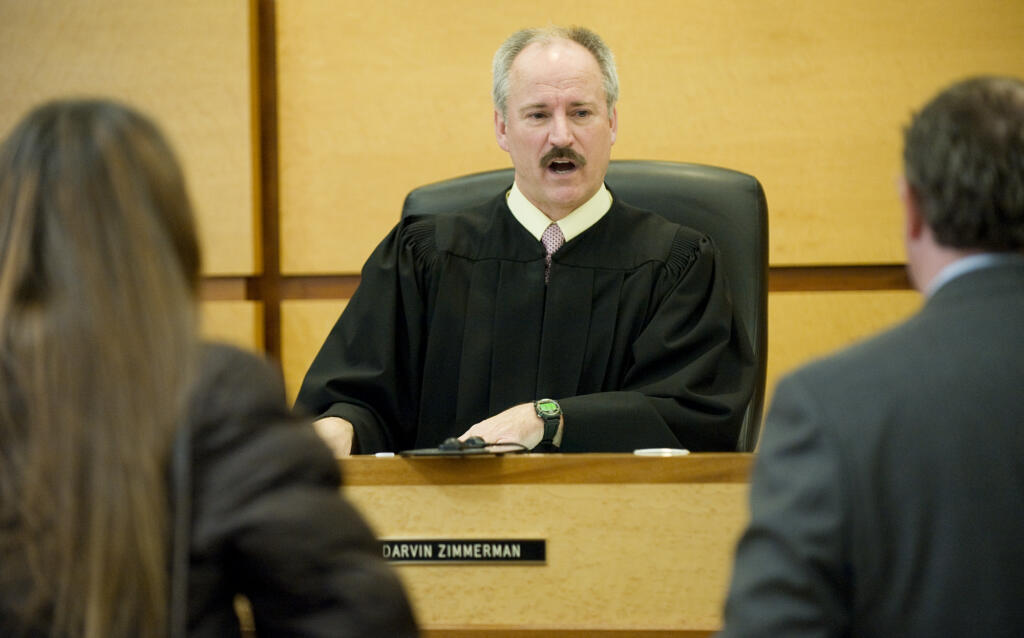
(337, 433)
(519, 424)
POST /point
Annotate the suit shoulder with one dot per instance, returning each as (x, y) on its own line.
(233, 369)
(867, 372)
(235, 385)
(239, 410)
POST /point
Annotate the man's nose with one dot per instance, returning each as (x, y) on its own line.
(560, 133)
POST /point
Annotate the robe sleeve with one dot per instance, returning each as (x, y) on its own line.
(692, 369)
(368, 369)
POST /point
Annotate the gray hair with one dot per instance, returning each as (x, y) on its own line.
(521, 39)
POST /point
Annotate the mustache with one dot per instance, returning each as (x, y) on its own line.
(562, 152)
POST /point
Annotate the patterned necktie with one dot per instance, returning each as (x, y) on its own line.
(552, 240)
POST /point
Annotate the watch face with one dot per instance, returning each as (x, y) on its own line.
(547, 407)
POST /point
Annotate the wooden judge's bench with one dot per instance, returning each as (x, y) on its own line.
(629, 545)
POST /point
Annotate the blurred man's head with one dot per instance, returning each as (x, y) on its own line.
(554, 113)
(964, 170)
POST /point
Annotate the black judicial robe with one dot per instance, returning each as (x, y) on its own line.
(635, 335)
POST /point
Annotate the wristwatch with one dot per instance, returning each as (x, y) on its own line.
(551, 413)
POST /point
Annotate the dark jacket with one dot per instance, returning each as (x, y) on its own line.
(269, 522)
(264, 519)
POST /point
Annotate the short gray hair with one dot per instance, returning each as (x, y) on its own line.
(521, 39)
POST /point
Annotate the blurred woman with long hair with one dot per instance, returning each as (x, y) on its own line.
(128, 449)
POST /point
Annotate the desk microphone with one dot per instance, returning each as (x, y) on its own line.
(474, 445)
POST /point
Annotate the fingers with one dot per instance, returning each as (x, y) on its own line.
(519, 424)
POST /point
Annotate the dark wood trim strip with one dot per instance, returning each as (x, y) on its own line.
(445, 631)
(226, 288)
(269, 288)
(780, 279)
(520, 469)
(837, 278)
(319, 287)
(557, 632)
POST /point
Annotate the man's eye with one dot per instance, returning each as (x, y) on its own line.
(582, 113)
(537, 116)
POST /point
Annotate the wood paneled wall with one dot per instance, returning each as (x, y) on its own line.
(808, 95)
(188, 64)
(302, 125)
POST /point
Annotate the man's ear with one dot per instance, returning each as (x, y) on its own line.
(614, 123)
(914, 223)
(500, 132)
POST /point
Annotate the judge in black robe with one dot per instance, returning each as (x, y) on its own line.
(635, 335)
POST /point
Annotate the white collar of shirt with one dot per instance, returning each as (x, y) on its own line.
(970, 264)
(535, 222)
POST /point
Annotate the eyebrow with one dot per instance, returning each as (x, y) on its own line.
(544, 105)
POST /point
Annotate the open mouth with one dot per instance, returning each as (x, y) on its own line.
(562, 166)
(562, 160)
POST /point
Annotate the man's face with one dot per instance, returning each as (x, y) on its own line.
(558, 131)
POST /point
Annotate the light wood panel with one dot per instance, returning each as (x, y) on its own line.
(809, 96)
(236, 322)
(622, 554)
(304, 326)
(185, 63)
(803, 325)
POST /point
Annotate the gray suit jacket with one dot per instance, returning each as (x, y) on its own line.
(888, 496)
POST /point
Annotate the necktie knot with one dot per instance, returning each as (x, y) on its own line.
(552, 239)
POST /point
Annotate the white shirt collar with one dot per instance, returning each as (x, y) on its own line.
(535, 222)
(969, 264)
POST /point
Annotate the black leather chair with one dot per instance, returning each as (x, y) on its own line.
(727, 205)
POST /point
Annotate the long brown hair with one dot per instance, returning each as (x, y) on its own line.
(98, 271)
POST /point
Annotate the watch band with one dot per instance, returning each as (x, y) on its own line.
(551, 413)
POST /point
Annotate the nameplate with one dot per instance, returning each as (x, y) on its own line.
(458, 550)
